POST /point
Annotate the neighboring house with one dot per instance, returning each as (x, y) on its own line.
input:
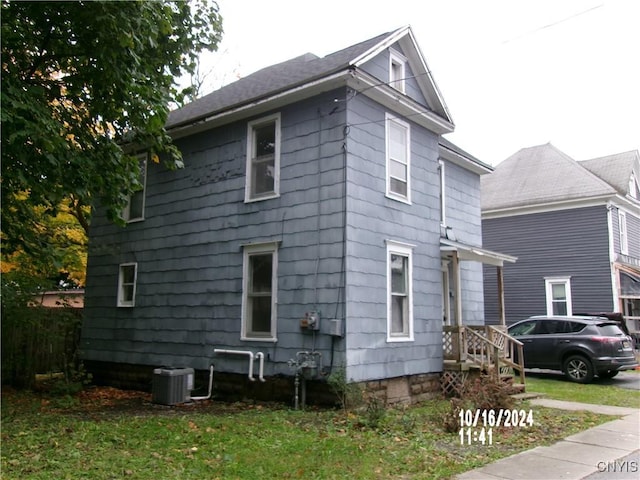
(61, 298)
(317, 222)
(575, 228)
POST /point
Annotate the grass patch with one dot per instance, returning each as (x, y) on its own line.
(599, 392)
(106, 438)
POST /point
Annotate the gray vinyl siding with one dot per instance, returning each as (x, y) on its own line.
(633, 232)
(372, 218)
(567, 243)
(189, 249)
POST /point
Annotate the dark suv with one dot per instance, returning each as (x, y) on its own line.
(580, 346)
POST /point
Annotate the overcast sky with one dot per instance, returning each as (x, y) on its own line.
(514, 74)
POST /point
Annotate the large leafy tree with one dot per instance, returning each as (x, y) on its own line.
(85, 85)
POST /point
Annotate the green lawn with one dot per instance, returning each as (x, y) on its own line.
(101, 436)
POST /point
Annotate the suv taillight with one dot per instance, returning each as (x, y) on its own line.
(605, 339)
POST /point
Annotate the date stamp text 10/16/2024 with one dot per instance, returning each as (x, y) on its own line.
(476, 426)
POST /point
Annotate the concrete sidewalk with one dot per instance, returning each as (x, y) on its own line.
(608, 451)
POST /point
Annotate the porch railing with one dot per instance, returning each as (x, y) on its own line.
(486, 346)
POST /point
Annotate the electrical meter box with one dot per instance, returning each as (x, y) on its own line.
(172, 385)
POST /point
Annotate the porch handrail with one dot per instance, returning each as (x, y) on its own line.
(510, 344)
(489, 351)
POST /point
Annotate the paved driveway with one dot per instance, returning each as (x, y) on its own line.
(625, 379)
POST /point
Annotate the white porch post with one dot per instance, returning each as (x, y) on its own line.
(456, 273)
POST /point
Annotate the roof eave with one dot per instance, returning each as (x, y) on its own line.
(260, 105)
(399, 103)
(511, 211)
(472, 164)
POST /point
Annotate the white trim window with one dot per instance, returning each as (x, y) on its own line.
(399, 292)
(127, 279)
(441, 172)
(558, 293)
(263, 159)
(622, 231)
(397, 70)
(398, 141)
(259, 292)
(134, 211)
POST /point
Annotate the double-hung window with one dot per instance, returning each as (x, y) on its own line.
(398, 159)
(558, 292)
(622, 229)
(127, 277)
(263, 158)
(399, 292)
(134, 211)
(260, 291)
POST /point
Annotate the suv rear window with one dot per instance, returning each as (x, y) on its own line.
(610, 330)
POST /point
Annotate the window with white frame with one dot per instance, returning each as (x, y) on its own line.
(127, 277)
(263, 158)
(260, 282)
(399, 292)
(622, 230)
(134, 211)
(558, 292)
(398, 159)
(397, 69)
(443, 219)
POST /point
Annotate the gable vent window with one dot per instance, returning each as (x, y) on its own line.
(397, 63)
(263, 159)
(127, 284)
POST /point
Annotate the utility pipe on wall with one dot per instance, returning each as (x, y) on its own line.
(249, 353)
(208, 396)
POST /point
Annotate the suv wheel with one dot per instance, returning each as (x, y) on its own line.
(608, 374)
(578, 369)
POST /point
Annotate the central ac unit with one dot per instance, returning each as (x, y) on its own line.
(172, 385)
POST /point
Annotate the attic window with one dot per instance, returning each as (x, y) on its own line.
(397, 75)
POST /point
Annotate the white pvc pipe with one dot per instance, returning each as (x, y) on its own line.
(260, 355)
(241, 352)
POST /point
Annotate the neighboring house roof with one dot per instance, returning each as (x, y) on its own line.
(540, 175)
(615, 169)
(293, 75)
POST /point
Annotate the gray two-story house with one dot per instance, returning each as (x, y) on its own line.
(575, 228)
(320, 222)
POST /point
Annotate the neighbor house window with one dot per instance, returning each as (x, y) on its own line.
(622, 229)
(263, 158)
(127, 284)
(443, 219)
(397, 75)
(259, 292)
(398, 159)
(558, 292)
(399, 292)
(134, 211)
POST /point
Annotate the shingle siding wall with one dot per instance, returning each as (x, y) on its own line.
(372, 218)
(570, 243)
(462, 215)
(189, 249)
